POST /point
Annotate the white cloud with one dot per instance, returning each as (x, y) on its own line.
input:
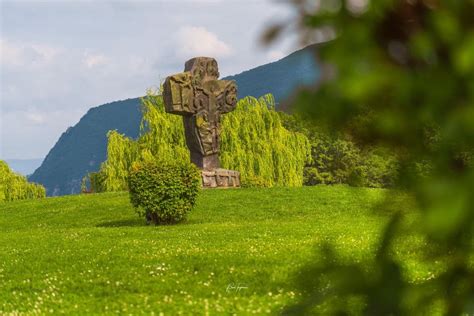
(9, 54)
(275, 55)
(31, 139)
(21, 54)
(195, 41)
(46, 53)
(36, 118)
(93, 60)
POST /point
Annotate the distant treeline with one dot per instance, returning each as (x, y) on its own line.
(14, 186)
(254, 141)
(336, 159)
(268, 147)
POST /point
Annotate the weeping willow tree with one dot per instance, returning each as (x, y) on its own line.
(16, 187)
(162, 138)
(253, 141)
(121, 152)
(162, 133)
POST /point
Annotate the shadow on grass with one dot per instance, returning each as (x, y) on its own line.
(141, 222)
(123, 223)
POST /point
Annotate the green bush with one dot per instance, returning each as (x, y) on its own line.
(334, 161)
(376, 170)
(164, 192)
(337, 161)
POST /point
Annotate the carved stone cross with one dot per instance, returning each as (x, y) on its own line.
(201, 99)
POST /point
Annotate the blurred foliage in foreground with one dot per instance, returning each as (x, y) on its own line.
(404, 79)
(14, 186)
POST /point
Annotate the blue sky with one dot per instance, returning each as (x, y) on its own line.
(60, 58)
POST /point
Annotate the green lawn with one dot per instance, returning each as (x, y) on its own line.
(91, 253)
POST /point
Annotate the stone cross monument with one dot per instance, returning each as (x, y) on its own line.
(201, 98)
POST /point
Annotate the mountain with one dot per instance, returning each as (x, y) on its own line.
(279, 78)
(24, 166)
(82, 148)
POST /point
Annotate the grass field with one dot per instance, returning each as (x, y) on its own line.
(237, 251)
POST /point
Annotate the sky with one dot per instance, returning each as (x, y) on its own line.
(60, 58)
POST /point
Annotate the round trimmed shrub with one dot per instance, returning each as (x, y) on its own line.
(164, 193)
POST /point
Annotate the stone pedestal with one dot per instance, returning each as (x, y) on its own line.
(220, 178)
